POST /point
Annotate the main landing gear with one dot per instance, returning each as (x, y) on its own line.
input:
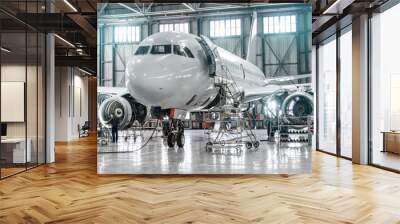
(173, 131)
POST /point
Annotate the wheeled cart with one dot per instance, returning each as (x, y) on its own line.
(231, 134)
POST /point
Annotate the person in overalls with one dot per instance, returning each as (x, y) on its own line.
(114, 128)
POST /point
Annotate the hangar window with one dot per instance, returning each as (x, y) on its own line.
(175, 27)
(142, 50)
(225, 28)
(280, 24)
(126, 34)
(161, 49)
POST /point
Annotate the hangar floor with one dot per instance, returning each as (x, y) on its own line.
(156, 158)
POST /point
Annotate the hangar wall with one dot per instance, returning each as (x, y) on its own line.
(278, 54)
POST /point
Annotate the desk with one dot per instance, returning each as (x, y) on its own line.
(391, 141)
(13, 150)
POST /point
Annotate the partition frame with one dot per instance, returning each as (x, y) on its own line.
(43, 119)
(381, 9)
(370, 12)
(339, 32)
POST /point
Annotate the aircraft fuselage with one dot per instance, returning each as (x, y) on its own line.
(170, 70)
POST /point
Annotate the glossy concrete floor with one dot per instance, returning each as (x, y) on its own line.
(156, 158)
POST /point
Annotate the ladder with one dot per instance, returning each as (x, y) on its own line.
(229, 89)
(229, 106)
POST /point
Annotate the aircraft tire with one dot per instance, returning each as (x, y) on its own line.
(256, 144)
(249, 145)
(180, 140)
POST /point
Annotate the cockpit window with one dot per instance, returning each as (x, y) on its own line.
(188, 52)
(142, 50)
(179, 51)
(161, 49)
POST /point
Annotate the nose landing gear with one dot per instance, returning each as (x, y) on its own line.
(174, 132)
(180, 140)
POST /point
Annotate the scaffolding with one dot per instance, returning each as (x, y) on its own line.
(231, 129)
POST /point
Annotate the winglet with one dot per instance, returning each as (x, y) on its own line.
(252, 45)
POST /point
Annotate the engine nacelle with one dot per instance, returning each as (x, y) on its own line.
(273, 104)
(115, 106)
(126, 109)
(297, 107)
(246, 107)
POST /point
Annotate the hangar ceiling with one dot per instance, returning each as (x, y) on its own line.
(116, 13)
(76, 22)
(276, 56)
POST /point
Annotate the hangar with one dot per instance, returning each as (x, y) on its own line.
(274, 39)
(61, 60)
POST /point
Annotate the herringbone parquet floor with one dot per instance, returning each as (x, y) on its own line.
(70, 191)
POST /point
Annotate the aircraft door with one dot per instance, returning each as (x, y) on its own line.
(210, 57)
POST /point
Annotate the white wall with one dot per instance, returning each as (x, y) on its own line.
(61, 103)
(71, 87)
(34, 124)
(80, 94)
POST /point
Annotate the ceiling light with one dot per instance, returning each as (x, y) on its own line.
(337, 7)
(65, 41)
(84, 71)
(188, 6)
(70, 5)
(5, 50)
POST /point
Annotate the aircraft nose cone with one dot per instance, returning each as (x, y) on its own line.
(147, 80)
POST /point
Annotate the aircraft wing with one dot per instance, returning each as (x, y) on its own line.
(253, 94)
(119, 91)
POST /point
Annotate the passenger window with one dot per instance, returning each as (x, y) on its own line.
(178, 51)
(188, 52)
(161, 49)
(142, 50)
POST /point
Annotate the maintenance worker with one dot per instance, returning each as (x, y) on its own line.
(114, 128)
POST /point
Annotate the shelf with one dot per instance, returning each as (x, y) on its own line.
(293, 133)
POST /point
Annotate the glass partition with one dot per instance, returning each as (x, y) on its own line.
(31, 98)
(22, 101)
(327, 96)
(41, 110)
(385, 89)
(14, 68)
(346, 93)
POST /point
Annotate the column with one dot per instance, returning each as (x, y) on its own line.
(360, 90)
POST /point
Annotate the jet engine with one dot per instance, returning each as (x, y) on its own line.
(273, 104)
(297, 107)
(125, 109)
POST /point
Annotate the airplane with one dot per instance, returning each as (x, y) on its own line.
(172, 73)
